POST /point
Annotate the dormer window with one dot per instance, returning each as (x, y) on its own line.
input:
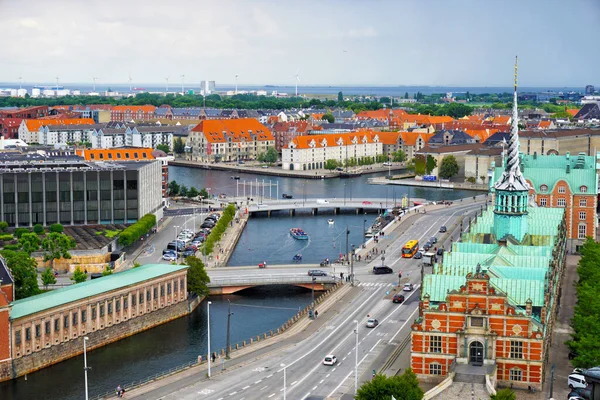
(583, 189)
(544, 188)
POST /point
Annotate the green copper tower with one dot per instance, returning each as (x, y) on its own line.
(512, 190)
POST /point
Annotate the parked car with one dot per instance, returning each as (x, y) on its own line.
(443, 229)
(398, 298)
(426, 246)
(189, 252)
(207, 224)
(576, 381)
(372, 323)
(316, 272)
(387, 164)
(169, 257)
(382, 269)
(330, 359)
(367, 202)
(418, 255)
(408, 287)
(433, 240)
(580, 393)
(440, 252)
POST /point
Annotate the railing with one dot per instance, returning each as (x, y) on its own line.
(215, 282)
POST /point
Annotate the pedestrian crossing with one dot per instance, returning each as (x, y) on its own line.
(376, 284)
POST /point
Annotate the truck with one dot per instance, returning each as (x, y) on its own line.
(429, 258)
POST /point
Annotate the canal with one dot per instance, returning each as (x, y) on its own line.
(255, 310)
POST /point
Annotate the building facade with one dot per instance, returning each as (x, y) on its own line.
(49, 135)
(25, 113)
(132, 113)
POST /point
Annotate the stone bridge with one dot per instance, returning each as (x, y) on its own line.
(232, 285)
(376, 205)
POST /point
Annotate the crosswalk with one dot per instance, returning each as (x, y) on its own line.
(374, 285)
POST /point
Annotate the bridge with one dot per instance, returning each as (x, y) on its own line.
(375, 205)
(226, 285)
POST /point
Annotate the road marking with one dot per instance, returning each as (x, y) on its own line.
(257, 382)
(206, 391)
(293, 383)
(333, 370)
(245, 387)
(232, 393)
(314, 387)
(322, 380)
(306, 395)
(343, 359)
(327, 376)
(270, 376)
(281, 390)
(264, 387)
(271, 395)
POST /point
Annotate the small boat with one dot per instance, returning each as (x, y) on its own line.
(297, 257)
(298, 234)
(235, 177)
(330, 221)
(287, 196)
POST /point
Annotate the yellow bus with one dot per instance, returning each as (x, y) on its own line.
(410, 248)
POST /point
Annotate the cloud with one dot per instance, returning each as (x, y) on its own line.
(367, 32)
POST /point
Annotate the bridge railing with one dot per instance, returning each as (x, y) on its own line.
(216, 282)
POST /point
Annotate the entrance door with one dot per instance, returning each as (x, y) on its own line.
(476, 353)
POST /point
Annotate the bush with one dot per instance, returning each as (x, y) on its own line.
(3, 226)
(39, 229)
(471, 179)
(6, 237)
(58, 228)
(133, 232)
(20, 231)
(218, 230)
(12, 247)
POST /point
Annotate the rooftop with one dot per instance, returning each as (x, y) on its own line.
(91, 288)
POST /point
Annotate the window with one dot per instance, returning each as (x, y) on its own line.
(101, 156)
(516, 374)
(38, 330)
(175, 287)
(110, 155)
(149, 294)
(581, 231)
(155, 292)
(66, 322)
(56, 325)
(92, 156)
(118, 155)
(101, 310)
(582, 215)
(168, 288)
(18, 337)
(74, 318)
(125, 303)
(583, 189)
(435, 344)
(47, 325)
(477, 322)
(544, 188)
(27, 333)
(181, 283)
(126, 155)
(516, 349)
(561, 202)
(110, 307)
(118, 305)
(133, 300)
(141, 298)
(135, 155)
(83, 316)
(543, 202)
(435, 369)
(562, 189)
(93, 313)
(582, 202)
(162, 290)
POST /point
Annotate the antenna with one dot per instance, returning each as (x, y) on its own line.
(167, 79)
(130, 87)
(20, 82)
(94, 79)
(182, 79)
(297, 80)
(57, 85)
(236, 76)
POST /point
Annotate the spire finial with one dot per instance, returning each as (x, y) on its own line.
(516, 71)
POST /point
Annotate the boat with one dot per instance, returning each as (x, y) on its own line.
(297, 257)
(287, 196)
(235, 177)
(330, 221)
(298, 234)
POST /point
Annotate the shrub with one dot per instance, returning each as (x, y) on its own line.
(471, 179)
(58, 228)
(133, 232)
(39, 229)
(12, 247)
(20, 231)
(3, 226)
(218, 230)
(6, 237)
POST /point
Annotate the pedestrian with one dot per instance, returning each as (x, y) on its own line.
(316, 314)
(214, 356)
(341, 275)
(120, 391)
(359, 257)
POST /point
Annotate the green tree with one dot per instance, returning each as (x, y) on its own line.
(23, 271)
(107, 271)
(331, 164)
(58, 228)
(403, 387)
(173, 188)
(183, 191)
(399, 156)
(21, 231)
(204, 193)
(449, 167)
(30, 242)
(504, 394)
(328, 117)
(57, 246)
(178, 146)
(163, 147)
(48, 277)
(39, 229)
(271, 155)
(406, 95)
(192, 192)
(3, 226)
(197, 278)
(340, 97)
(260, 157)
(430, 164)
(133, 232)
(79, 276)
(419, 163)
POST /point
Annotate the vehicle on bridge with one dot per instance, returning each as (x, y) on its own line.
(316, 272)
(408, 287)
(298, 234)
(287, 196)
(410, 249)
(297, 257)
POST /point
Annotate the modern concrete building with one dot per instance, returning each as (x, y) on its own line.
(50, 327)
(36, 189)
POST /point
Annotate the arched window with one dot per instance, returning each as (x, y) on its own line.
(544, 188)
(583, 189)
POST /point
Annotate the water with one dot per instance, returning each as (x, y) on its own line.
(255, 311)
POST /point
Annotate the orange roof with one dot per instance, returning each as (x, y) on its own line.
(410, 138)
(331, 140)
(544, 124)
(125, 154)
(501, 119)
(374, 114)
(389, 138)
(573, 111)
(33, 125)
(238, 130)
(134, 109)
(317, 116)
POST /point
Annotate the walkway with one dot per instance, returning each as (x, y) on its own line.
(464, 391)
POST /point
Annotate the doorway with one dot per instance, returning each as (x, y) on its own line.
(476, 353)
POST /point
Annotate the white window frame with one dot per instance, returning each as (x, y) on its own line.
(516, 349)
(544, 188)
(582, 215)
(582, 202)
(435, 344)
(516, 374)
(435, 368)
(562, 189)
(582, 231)
(543, 202)
(561, 202)
(583, 189)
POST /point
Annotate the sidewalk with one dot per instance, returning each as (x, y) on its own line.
(224, 248)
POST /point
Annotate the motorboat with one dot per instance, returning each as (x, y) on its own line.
(297, 257)
(235, 177)
(287, 196)
(330, 221)
(298, 234)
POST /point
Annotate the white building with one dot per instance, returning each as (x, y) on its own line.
(137, 136)
(65, 134)
(311, 152)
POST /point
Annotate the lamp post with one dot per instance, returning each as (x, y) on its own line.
(364, 232)
(284, 384)
(229, 314)
(176, 245)
(347, 233)
(208, 328)
(356, 359)
(312, 304)
(352, 267)
(85, 367)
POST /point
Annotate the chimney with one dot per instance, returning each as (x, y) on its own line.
(528, 307)
(426, 301)
(568, 169)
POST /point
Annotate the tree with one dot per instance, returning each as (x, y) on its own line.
(79, 276)
(173, 188)
(406, 95)
(133, 232)
(48, 277)
(23, 271)
(328, 117)
(340, 97)
(3, 226)
(38, 229)
(430, 164)
(419, 163)
(197, 278)
(449, 167)
(183, 190)
(178, 146)
(58, 228)
(204, 193)
(163, 147)
(30, 242)
(405, 387)
(399, 156)
(56, 246)
(504, 394)
(331, 164)
(271, 155)
(260, 157)
(192, 192)
(107, 271)
(21, 231)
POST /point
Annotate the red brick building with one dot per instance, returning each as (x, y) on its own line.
(132, 113)
(25, 113)
(9, 127)
(285, 132)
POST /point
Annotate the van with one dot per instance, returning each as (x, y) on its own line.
(382, 269)
(321, 201)
(576, 381)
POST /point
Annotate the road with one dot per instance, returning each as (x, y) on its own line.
(305, 375)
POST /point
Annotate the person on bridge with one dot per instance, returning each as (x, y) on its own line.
(316, 314)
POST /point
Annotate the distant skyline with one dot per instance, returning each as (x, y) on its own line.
(333, 42)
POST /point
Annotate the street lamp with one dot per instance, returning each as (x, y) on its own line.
(364, 232)
(356, 360)
(352, 266)
(85, 367)
(382, 260)
(208, 328)
(284, 385)
(229, 314)
(176, 245)
(312, 304)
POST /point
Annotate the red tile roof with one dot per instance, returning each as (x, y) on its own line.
(220, 130)
(33, 125)
(332, 140)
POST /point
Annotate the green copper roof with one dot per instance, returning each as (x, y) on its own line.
(54, 298)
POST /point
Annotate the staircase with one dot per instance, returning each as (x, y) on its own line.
(464, 391)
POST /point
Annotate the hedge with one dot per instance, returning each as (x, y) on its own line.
(133, 232)
(6, 237)
(218, 230)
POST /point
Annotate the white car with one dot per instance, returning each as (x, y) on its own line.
(387, 164)
(408, 287)
(576, 381)
(169, 257)
(330, 359)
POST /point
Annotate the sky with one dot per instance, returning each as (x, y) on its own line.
(324, 42)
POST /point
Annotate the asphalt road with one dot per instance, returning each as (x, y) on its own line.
(305, 374)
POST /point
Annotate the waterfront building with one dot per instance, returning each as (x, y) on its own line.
(311, 152)
(132, 113)
(30, 128)
(560, 141)
(134, 135)
(229, 140)
(409, 142)
(49, 327)
(50, 135)
(492, 301)
(9, 127)
(284, 132)
(48, 189)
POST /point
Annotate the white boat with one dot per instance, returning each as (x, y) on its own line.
(330, 221)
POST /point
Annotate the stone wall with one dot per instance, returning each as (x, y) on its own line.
(55, 354)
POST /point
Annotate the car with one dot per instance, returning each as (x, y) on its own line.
(189, 252)
(372, 323)
(367, 203)
(440, 252)
(316, 272)
(443, 229)
(418, 255)
(207, 224)
(241, 162)
(330, 359)
(408, 287)
(580, 393)
(433, 240)
(264, 166)
(387, 164)
(322, 201)
(398, 298)
(576, 381)
(169, 257)
(165, 251)
(426, 246)
(382, 269)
